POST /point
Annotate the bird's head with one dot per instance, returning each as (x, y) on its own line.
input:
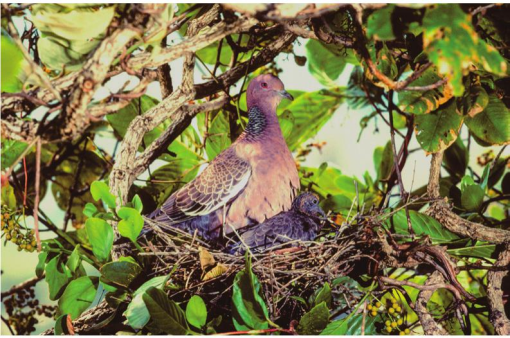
(308, 203)
(266, 89)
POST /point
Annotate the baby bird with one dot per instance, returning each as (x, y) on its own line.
(301, 222)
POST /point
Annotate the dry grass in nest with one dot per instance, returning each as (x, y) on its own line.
(292, 269)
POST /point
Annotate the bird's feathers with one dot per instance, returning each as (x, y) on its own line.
(221, 181)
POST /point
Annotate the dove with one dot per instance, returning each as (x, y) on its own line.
(250, 181)
(302, 222)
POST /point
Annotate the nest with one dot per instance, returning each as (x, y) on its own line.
(286, 272)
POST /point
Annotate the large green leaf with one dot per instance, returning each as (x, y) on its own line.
(311, 111)
(11, 150)
(383, 61)
(453, 45)
(12, 58)
(324, 295)
(472, 197)
(121, 120)
(218, 135)
(249, 311)
(492, 125)
(422, 225)
(419, 102)
(100, 235)
(325, 65)
(351, 326)
(478, 251)
(136, 313)
(121, 272)
(166, 315)
(78, 24)
(57, 277)
(437, 130)
(131, 224)
(196, 312)
(314, 321)
(379, 24)
(78, 296)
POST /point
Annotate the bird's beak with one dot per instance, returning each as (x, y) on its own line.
(286, 95)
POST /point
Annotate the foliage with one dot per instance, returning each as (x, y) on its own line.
(457, 57)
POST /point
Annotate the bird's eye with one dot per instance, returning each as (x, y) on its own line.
(263, 85)
(315, 201)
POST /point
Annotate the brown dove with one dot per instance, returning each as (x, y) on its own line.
(249, 182)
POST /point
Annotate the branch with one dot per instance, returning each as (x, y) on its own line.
(440, 210)
(26, 284)
(430, 327)
(497, 316)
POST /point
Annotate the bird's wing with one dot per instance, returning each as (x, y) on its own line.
(221, 181)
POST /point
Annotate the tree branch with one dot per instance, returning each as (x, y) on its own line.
(497, 316)
(440, 210)
(430, 327)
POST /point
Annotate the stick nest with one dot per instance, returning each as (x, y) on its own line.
(286, 272)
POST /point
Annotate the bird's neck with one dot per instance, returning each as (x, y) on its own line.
(260, 120)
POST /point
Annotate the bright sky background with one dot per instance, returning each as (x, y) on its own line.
(342, 151)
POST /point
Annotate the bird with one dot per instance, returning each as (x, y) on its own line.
(302, 222)
(250, 181)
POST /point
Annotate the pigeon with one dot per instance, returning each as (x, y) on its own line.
(302, 222)
(249, 182)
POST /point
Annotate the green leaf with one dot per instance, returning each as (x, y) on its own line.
(131, 224)
(100, 236)
(77, 24)
(310, 110)
(12, 58)
(472, 197)
(351, 326)
(60, 327)
(446, 27)
(474, 101)
(456, 159)
(249, 311)
(57, 277)
(492, 125)
(337, 203)
(324, 295)
(383, 161)
(11, 150)
(166, 315)
(121, 120)
(121, 272)
(100, 191)
(379, 24)
(74, 260)
(384, 62)
(196, 312)
(136, 313)
(478, 251)
(137, 203)
(218, 135)
(419, 102)
(437, 130)
(422, 225)
(325, 65)
(314, 321)
(57, 53)
(78, 296)
(39, 269)
(90, 210)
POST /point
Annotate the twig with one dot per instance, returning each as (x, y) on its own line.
(37, 187)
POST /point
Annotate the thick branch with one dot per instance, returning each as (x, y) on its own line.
(498, 316)
(440, 210)
(430, 327)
